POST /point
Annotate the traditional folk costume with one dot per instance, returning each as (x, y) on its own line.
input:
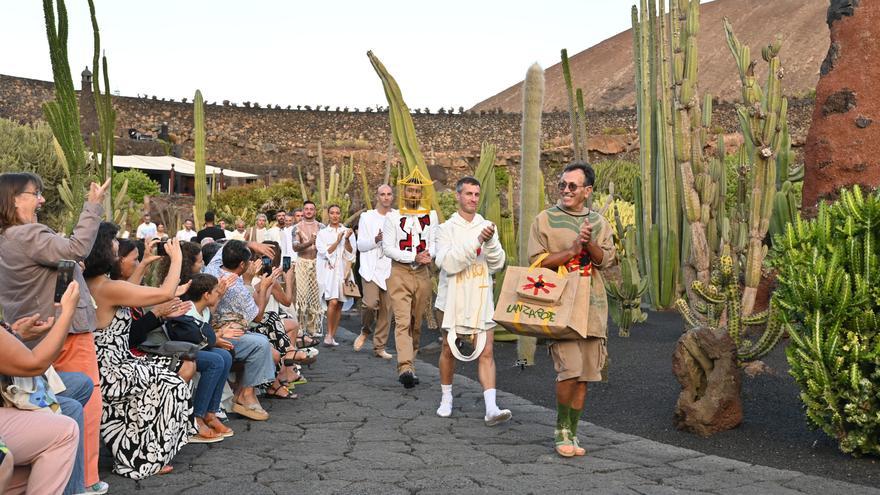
(309, 307)
(375, 268)
(555, 230)
(333, 269)
(466, 297)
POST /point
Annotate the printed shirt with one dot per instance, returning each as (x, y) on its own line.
(556, 230)
(404, 236)
(238, 298)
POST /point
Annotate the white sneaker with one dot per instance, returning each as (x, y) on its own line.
(498, 417)
(445, 409)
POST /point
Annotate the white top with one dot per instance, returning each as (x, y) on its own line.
(331, 267)
(145, 230)
(286, 242)
(186, 235)
(260, 234)
(405, 235)
(227, 233)
(464, 289)
(375, 266)
(235, 234)
(273, 234)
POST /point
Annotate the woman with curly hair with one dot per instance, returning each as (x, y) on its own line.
(146, 407)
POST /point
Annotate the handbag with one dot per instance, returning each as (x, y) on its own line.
(160, 344)
(33, 393)
(188, 329)
(350, 287)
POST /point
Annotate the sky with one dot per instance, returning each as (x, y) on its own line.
(451, 53)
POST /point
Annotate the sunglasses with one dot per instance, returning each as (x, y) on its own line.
(570, 186)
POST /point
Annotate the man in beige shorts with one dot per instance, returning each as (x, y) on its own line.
(572, 235)
(375, 268)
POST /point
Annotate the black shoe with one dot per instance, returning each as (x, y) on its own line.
(415, 380)
(407, 379)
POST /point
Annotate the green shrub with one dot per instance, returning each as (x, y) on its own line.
(621, 172)
(828, 282)
(30, 149)
(283, 195)
(139, 185)
(448, 203)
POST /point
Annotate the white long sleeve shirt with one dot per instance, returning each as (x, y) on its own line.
(404, 236)
(464, 289)
(375, 266)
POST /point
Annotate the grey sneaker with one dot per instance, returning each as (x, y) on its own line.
(498, 417)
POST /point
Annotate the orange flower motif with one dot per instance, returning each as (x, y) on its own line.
(539, 285)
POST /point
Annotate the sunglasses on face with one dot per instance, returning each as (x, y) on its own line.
(570, 186)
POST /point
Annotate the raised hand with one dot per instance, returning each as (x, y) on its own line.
(181, 289)
(586, 233)
(70, 298)
(487, 233)
(31, 327)
(262, 249)
(172, 247)
(96, 192)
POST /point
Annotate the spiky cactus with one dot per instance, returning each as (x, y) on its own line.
(201, 180)
(529, 177)
(575, 112)
(763, 120)
(827, 287)
(625, 297)
(62, 114)
(403, 130)
(656, 194)
(104, 142)
(722, 296)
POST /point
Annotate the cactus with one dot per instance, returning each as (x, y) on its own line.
(656, 193)
(575, 112)
(785, 209)
(104, 142)
(624, 298)
(763, 120)
(368, 201)
(62, 114)
(530, 176)
(403, 130)
(201, 186)
(490, 200)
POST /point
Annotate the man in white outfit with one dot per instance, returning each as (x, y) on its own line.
(375, 268)
(468, 253)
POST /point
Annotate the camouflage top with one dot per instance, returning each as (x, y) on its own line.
(554, 230)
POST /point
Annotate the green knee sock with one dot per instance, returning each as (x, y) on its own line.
(563, 415)
(573, 418)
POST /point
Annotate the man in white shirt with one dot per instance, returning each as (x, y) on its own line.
(146, 228)
(408, 239)
(375, 268)
(239, 233)
(188, 233)
(227, 233)
(468, 253)
(287, 235)
(274, 233)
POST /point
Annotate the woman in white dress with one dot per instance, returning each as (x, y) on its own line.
(336, 253)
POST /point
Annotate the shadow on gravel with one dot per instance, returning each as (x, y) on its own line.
(641, 392)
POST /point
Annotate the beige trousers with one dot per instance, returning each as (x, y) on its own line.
(410, 293)
(377, 308)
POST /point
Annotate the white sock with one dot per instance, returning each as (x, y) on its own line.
(489, 398)
(445, 409)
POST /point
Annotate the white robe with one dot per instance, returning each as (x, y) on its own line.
(331, 267)
(464, 291)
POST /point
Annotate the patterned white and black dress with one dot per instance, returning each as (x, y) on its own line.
(147, 408)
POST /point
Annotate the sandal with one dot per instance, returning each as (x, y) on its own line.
(252, 411)
(302, 344)
(564, 446)
(273, 393)
(166, 469)
(218, 426)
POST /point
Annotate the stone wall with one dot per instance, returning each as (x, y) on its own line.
(267, 141)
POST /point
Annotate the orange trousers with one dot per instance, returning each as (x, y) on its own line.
(78, 354)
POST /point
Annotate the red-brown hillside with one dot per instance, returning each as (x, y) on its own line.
(605, 71)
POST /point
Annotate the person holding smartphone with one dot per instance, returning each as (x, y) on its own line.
(28, 279)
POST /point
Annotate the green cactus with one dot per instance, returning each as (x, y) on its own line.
(62, 114)
(656, 193)
(828, 272)
(530, 174)
(575, 112)
(104, 141)
(367, 194)
(490, 200)
(201, 180)
(624, 297)
(403, 130)
(763, 120)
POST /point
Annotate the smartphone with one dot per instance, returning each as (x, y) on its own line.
(285, 263)
(267, 265)
(65, 276)
(160, 249)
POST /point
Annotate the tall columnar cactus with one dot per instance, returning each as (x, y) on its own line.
(201, 181)
(62, 114)
(104, 142)
(403, 130)
(530, 178)
(763, 120)
(656, 193)
(575, 112)
(625, 296)
(490, 198)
